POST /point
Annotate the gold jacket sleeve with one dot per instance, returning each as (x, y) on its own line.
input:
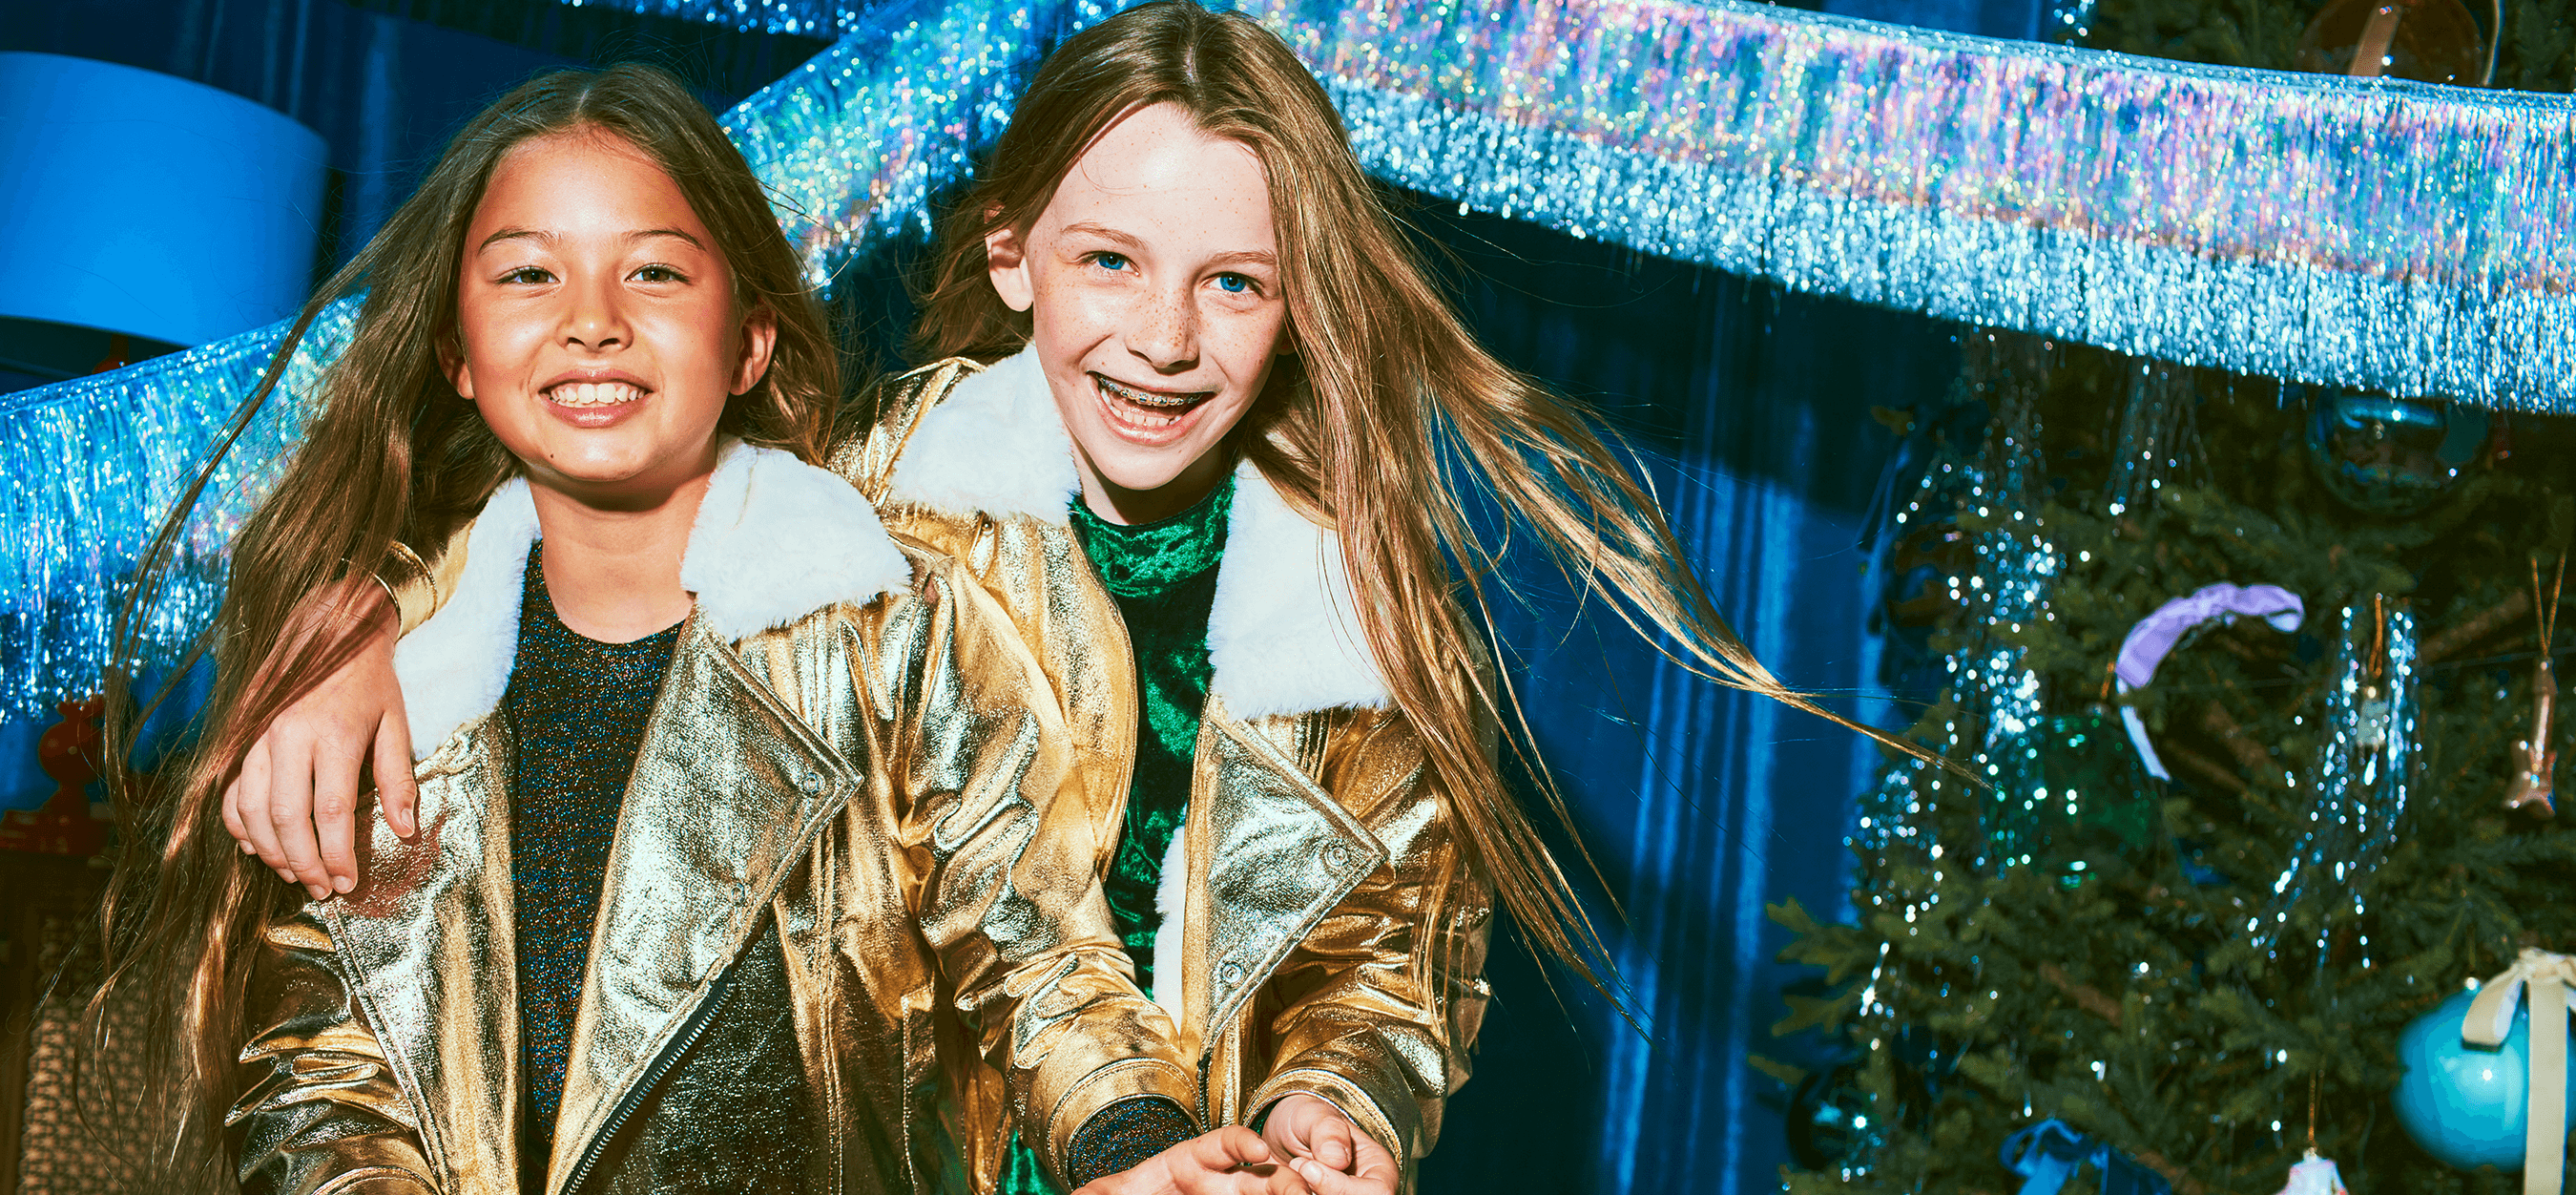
(1011, 899)
(322, 1114)
(1374, 1010)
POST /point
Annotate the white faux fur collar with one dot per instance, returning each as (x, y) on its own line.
(1283, 636)
(775, 539)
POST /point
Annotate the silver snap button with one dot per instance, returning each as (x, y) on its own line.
(1337, 857)
(809, 781)
(1231, 973)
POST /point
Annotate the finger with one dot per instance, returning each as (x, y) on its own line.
(335, 798)
(253, 785)
(1329, 1140)
(1325, 1181)
(1231, 1146)
(1255, 1181)
(290, 814)
(232, 817)
(396, 791)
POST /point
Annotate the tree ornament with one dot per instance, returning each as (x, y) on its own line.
(2153, 637)
(2469, 1105)
(1830, 1122)
(2314, 1175)
(2357, 794)
(2533, 786)
(2436, 41)
(2049, 1153)
(2070, 798)
(2391, 457)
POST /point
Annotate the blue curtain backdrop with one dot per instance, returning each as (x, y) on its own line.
(1750, 409)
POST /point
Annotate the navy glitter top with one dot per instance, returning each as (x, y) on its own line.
(577, 709)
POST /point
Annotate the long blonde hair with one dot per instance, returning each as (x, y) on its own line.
(393, 455)
(1386, 408)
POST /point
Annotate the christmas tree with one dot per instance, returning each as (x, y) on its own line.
(2198, 976)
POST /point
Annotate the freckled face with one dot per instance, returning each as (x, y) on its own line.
(595, 326)
(1152, 285)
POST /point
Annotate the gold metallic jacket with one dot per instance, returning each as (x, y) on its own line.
(1331, 939)
(854, 802)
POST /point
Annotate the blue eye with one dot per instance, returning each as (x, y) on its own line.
(1234, 284)
(1111, 261)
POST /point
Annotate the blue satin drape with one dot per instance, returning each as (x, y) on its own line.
(1751, 410)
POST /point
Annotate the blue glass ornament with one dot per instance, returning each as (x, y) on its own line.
(2391, 457)
(2465, 1105)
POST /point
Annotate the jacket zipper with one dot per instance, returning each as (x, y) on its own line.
(690, 1032)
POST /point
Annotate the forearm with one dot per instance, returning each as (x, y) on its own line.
(322, 1112)
(1382, 1003)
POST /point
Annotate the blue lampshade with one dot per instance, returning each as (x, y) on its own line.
(141, 203)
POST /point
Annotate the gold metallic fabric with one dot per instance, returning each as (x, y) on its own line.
(1335, 941)
(890, 786)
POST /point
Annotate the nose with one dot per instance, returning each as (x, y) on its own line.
(593, 317)
(1165, 333)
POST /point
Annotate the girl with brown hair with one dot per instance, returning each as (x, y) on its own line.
(686, 718)
(1201, 422)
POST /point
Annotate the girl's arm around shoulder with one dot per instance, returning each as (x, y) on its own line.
(1008, 858)
(320, 1113)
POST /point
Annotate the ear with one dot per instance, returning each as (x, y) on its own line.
(451, 362)
(1006, 255)
(759, 339)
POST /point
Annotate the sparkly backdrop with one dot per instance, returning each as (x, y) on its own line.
(2383, 233)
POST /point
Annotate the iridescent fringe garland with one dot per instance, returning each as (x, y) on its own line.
(808, 18)
(93, 465)
(2380, 233)
(2385, 233)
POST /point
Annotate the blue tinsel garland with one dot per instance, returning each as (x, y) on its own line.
(2376, 233)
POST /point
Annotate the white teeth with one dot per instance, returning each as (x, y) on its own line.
(1151, 401)
(594, 394)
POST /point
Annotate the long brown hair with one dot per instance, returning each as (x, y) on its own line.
(1366, 427)
(392, 456)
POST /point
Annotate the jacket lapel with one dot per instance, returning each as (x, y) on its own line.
(727, 792)
(1273, 853)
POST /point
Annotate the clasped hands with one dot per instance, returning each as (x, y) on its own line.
(1307, 1147)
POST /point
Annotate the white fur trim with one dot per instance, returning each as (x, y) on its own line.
(775, 540)
(454, 667)
(996, 445)
(1283, 637)
(1172, 901)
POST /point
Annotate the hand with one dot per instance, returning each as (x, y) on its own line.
(294, 801)
(1323, 1147)
(1229, 1161)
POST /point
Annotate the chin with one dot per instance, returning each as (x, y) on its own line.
(1147, 476)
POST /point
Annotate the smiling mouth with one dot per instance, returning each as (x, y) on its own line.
(1147, 410)
(594, 395)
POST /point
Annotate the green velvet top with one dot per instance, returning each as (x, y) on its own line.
(1163, 577)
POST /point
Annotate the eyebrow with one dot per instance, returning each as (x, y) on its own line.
(1252, 257)
(543, 237)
